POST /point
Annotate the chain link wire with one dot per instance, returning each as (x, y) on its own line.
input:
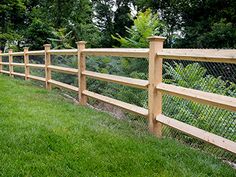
(216, 78)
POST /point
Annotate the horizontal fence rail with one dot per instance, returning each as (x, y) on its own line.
(64, 52)
(154, 85)
(121, 104)
(138, 83)
(117, 52)
(198, 133)
(225, 102)
(63, 69)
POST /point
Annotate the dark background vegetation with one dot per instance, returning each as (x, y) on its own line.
(190, 23)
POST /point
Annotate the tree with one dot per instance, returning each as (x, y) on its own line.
(145, 25)
(112, 17)
(75, 17)
(169, 12)
(11, 20)
(196, 24)
(37, 34)
(209, 24)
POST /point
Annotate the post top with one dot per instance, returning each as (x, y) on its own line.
(156, 38)
(81, 42)
(10, 50)
(47, 45)
(0, 51)
(26, 48)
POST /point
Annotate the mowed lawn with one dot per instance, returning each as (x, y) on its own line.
(44, 134)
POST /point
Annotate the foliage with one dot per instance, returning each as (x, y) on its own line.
(31, 23)
(216, 37)
(145, 25)
(205, 117)
(11, 21)
(195, 76)
(37, 33)
(196, 24)
(209, 24)
(106, 65)
(62, 40)
(65, 61)
(112, 17)
(87, 32)
(170, 13)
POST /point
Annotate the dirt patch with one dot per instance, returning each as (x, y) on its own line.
(113, 110)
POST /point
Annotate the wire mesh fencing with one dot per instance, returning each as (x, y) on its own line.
(216, 78)
(119, 66)
(68, 61)
(37, 59)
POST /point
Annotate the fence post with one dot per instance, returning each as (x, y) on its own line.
(48, 75)
(0, 61)
(81, 68)
(26, 61)
(155, 77)
(10, 62)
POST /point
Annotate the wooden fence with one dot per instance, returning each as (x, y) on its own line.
(156, 88)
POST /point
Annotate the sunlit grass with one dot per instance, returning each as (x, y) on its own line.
(44, 134)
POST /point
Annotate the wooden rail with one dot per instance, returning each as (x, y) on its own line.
(199, 133)
(4, 54)
(18, 54)
(212, 99)
(18, 74)
(121, 104)
(155, 54)
(118, 52)
(138, 83)
(63, 69)
(37, 78)
(36, 65)
(17, 64)
(4, 63)
(5, 72)
(64, 52)
(202, 56)
(39, 52)
(63, 85)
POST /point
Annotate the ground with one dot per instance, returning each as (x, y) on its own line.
(44, 134)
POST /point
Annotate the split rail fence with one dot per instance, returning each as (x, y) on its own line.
(156, 88)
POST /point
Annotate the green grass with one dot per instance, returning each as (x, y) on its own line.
(43, 134)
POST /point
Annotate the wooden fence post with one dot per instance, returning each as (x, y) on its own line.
(26, 61)
(155, 77)
(48, 75)
(81, 77)
(10, 62)
(0, 61)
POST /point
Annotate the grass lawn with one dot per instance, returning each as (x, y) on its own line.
(44, 134)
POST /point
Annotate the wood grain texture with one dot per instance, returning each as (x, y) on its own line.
(138, 83)
(121, 104)
(81, 68)
(48, 73)
(199, 133)
(64, 69)
(119, 52)
(10, 62)
(155, 77)
(212, 99)
(63, 85)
